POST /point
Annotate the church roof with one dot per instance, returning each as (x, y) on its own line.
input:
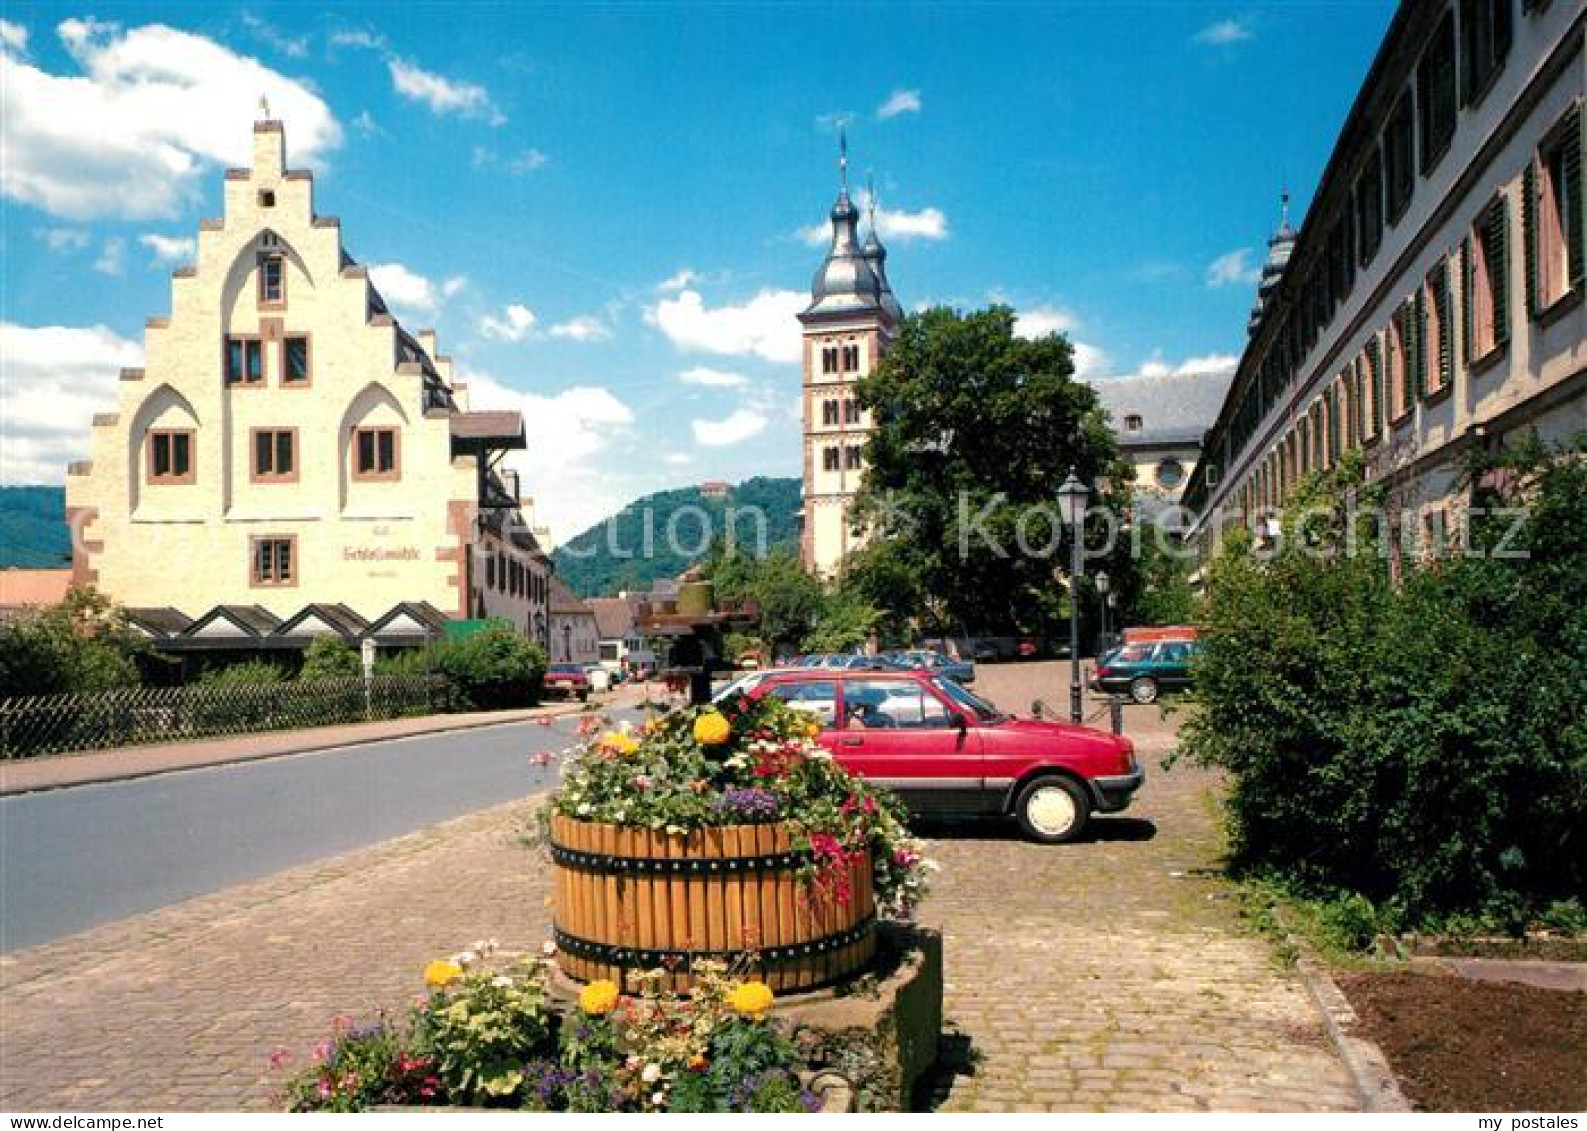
(1173, 408)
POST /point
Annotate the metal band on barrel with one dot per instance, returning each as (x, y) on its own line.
(631, 956)
(608, 865)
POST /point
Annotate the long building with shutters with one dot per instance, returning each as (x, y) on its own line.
(1433, 298)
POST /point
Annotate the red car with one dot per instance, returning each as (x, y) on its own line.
(947, 752)
(569, 679)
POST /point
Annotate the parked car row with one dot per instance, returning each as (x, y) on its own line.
(915, 659)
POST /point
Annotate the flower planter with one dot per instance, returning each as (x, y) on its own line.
(635, 899)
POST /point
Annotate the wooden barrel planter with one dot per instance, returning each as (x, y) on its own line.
(633, 899)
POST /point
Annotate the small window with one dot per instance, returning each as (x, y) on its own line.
(1399, 158)
(1438, 364)
(171, 456)
(295, 360)
(829, 459)
(1369, 208)
(851, 359)
(853, 457)
(267, 198)
(1484, 43)
(1435, 94)
(1132, 423)
(829, 359)
(1487, 279)
(1170, 474)
(275, 455)
(273, 560)
(1555, 244)
(851, 411)
(244, 361)
(272, 280)
(829, 412)
(375, 454)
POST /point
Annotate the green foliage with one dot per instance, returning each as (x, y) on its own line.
(846, 621)
(33, 530)
(81, 645)
(977, 429)
(1423, 745)
(1165, 595)
(590, 565)
(492, 669)
(790, 600)
(244, 673)
(331, 657)
(358, 1067)
(404, 662)
(482, 1028)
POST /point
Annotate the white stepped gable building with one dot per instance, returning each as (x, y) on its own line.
(288, 443)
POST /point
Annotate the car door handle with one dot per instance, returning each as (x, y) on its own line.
(851, 742)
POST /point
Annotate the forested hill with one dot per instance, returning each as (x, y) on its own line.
(611, 555)
(33, 530)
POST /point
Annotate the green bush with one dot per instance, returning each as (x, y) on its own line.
(1421, 744)
(405, 662)
(80, 646)
(244, 673)
(492, 669)
(331, 657)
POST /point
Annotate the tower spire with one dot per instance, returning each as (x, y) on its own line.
(843, 156)
(870, 204)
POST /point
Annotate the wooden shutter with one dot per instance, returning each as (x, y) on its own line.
(1446, 328)
(1575, 238)
(1375, 375)
(1418, 347)
(1497, 256)
(1529, 235)
(1468, 290)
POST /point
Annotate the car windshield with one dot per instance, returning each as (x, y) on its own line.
(968, 700)
(567, 669)
(743, 685)
(1132, 653)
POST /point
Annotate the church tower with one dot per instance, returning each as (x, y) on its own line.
(851, 318)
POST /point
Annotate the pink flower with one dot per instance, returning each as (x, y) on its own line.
(279, 1058)
(322, 1050)
(323, 1089)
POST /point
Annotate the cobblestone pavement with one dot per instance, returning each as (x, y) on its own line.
(1106, 974)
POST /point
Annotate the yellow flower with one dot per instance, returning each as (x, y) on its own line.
(442, 972)
(711, 729)
(598, 997)
(618, 742)
(752, 999)
(698, 1063)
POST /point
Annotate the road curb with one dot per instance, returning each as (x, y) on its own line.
(133, 774)
(1368, 1068)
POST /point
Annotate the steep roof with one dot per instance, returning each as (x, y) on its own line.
(615, 617)
(566, 602)
(1174, 409)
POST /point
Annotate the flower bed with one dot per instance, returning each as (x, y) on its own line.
(725, 834)
(487, 1035)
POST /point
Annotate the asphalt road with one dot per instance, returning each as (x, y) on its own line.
(73, 858)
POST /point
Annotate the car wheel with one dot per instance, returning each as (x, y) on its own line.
(1143, 690)
(1053, 810)
(584, 696)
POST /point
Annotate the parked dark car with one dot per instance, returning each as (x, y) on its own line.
(925, 660)
(947, 752)
(1146, 669)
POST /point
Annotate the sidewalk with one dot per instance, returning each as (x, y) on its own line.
(61, 770)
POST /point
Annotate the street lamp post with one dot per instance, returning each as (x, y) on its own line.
(1103, 584)
(1072, 506)
(567, 645)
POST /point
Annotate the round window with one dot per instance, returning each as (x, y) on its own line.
(1170, 473)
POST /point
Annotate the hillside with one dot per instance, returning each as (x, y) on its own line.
(591, 568)
(33, 530)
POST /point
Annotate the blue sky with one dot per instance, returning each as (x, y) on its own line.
(605, 210)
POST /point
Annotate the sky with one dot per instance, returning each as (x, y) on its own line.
(611, 213)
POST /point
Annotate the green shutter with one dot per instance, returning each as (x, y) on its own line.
(1575, 238)
(1529, 235)
(1497, 253)
(1419, 338)
(1375, 363)
(1446, 329)
(1468, 290)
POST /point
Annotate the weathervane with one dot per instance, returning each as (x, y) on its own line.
(843, 152)
(264, 108)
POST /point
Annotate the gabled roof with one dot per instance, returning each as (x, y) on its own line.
(408, 621)
(324, 620)
(500, 428)
(158, 623)
(248, 622)
(615, 617)
(1174, 408)
(565, 601)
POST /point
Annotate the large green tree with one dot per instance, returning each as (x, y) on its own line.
(976, 429)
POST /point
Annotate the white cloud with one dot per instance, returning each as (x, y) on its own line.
(56, 378)
(900, 102)
(112, 257)
(766, 326)
(584, 328)
(1089, 360)
(713, 378)
(741, 425)
(357, 37)
(677, 282)
(527, 161)
(516, 324)
(170, 249)
(1039, 321)
(13, 37)
(567, 465)
(1225, 33)
(365, 124)
(410, 292)
(1232, 268)
(1155, 366)
(153, 110)
(677, 459)
(63, 239)
(893, 225)
(293, 47)
(443, 95)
